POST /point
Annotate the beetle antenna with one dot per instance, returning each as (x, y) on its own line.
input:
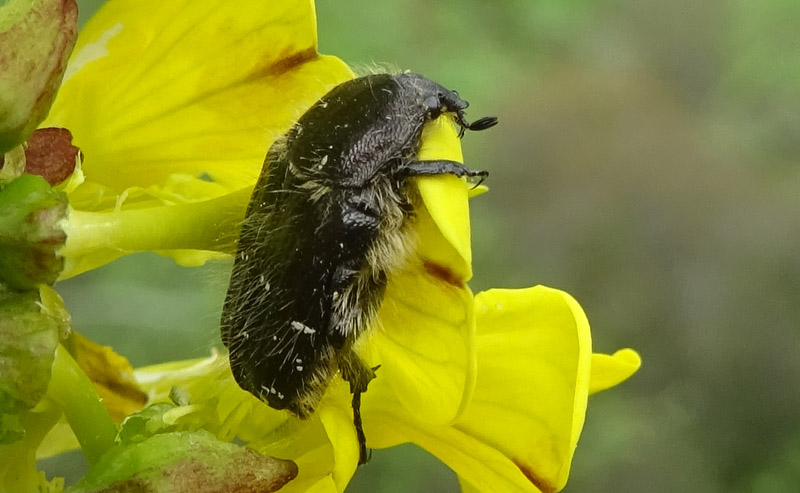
(483, 123)
(479, 124)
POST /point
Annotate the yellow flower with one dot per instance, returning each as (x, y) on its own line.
(174, 111)
(173, 105)
(496, 386)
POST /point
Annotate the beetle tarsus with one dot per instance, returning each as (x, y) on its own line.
(364, 454)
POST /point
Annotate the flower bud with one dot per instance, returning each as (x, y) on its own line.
(36, 39)
(31, 325)
(31, 220)
(186, 462)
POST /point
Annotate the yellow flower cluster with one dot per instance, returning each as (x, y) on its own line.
(173, 105)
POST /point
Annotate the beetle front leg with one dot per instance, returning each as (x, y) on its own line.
(438, 167)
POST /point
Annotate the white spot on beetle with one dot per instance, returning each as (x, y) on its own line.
(299, 368)
(301, 327)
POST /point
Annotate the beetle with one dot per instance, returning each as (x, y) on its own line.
(328, 222)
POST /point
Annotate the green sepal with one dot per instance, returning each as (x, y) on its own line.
(32, 216)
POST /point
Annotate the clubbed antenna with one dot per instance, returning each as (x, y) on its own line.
(479, 124)
(483, 123)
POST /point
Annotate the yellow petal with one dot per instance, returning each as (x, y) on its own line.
(467, 487)
(610, 370)
(308, 446)
(199, 87)
(336, 415)
(480, 464)
(534, 356)
(324, 485)
(445, 199)
(424, 342)
(111, 374)
(478, 190)
(58, 440)
(534, 351)
(440, 141)
(522, 424)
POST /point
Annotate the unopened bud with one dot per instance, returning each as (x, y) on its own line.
(31, 220)
(36, 39)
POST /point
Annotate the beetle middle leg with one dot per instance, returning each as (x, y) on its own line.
(358, 374)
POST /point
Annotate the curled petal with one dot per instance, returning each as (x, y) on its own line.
(336, 416)
(609, 370)
(534, 352)
(520, 429)
(445, 200)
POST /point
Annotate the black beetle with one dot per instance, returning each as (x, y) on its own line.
(327, 222)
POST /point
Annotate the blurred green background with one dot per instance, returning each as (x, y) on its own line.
(647, 163)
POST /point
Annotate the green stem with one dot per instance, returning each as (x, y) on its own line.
(72, 390)
(207, 225)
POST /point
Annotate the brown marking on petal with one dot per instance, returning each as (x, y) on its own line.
(443, 274)
(288, 63)
(543, 484)
(50, 154)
